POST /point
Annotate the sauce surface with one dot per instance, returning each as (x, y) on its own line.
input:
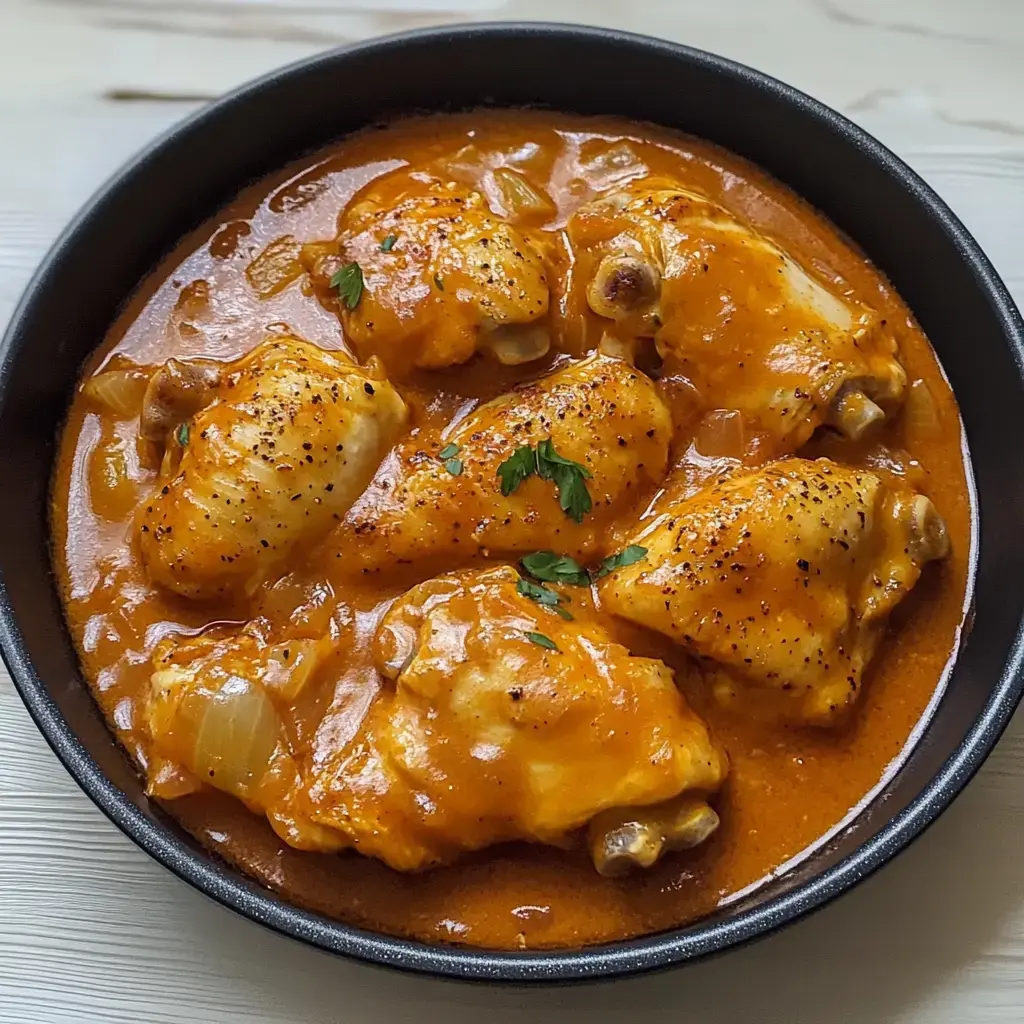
(234, 281)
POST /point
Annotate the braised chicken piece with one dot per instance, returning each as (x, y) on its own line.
(424, 275)
(745, 322)
(784, 578)
(290, 438)
(500, 720)
(216, 712)
(503, 478)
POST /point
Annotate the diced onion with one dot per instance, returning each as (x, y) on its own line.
(111, 488)
(238, 733)
(290, 666)
(120, 391)
(722, 434)
(920, 413)
(515, 344)
(276, 267)
(519, 197)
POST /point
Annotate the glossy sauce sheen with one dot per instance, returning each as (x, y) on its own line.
(788, 785)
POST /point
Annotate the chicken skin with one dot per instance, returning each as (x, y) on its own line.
(216, 712)
(600, 413)
(783, 577)
(499, 720)
(738, 316)
(440, 277)
(291, 436)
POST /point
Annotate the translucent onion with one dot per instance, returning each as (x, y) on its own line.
(290, 666)
(920, 413)
(722, 434)
(111, 489)
(515, 344)
(236, 738)
(276, 267)
(519, 197)
(119, 391)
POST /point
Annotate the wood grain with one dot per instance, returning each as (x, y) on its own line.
(92, 930)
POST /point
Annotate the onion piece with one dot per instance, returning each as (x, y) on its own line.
(289, 667)
(276, 267)
(238, 733)
(519, 197)
(514, 344)
(112, 491)
(920, 414)
(722, 434)
(120, 391)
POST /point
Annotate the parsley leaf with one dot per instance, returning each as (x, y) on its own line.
(449, 451)
(389, 243)
(542, 641)
(568, 476)
(625, 557)
(454, 466)
(516, 468)
(182, 434)
(552, 568)
(349, 284)
(543, 596)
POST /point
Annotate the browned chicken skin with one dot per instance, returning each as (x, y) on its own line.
(783, 577)
(290, 438)
(442, 277)
(600, 412)
(750, 327)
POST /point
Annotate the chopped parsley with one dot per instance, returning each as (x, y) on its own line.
(516, 468)
(568, 477)
(634, 553)
(349, 284)
(454, 466)
(182, 434)
(552, 568)
(449, 451)
(542, 641)
(543, 596)
(389, 243)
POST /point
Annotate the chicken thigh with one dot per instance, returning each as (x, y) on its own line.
(424, 275)
(500, 720)
(291, 436)
(783, 577)
(743, 320)
(600, 413)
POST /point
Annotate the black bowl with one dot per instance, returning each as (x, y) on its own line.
(184, 177)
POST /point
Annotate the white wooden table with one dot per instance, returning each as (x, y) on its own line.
(92, 930)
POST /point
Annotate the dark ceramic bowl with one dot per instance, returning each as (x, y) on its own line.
(182, 179)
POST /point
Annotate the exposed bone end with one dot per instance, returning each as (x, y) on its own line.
(929, 538)
(514, 344)
(175, 393)
(622, 285)
(621, 841)
(852, 413)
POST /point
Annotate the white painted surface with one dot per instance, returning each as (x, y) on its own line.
(92, 930)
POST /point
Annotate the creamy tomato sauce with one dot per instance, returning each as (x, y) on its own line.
(234, 281)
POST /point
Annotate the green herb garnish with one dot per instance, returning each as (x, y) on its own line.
(182, 434)
(389, 243)
(568, 476)
(349, 284)
(625, 557)
(542, 641)
(552, 568)
(543, 596)
(449, 451)
(454, 466)
(516, 468)
(439, 282)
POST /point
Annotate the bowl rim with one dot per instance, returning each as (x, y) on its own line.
(646, 953)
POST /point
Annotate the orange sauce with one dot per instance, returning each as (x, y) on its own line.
(788, 785)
